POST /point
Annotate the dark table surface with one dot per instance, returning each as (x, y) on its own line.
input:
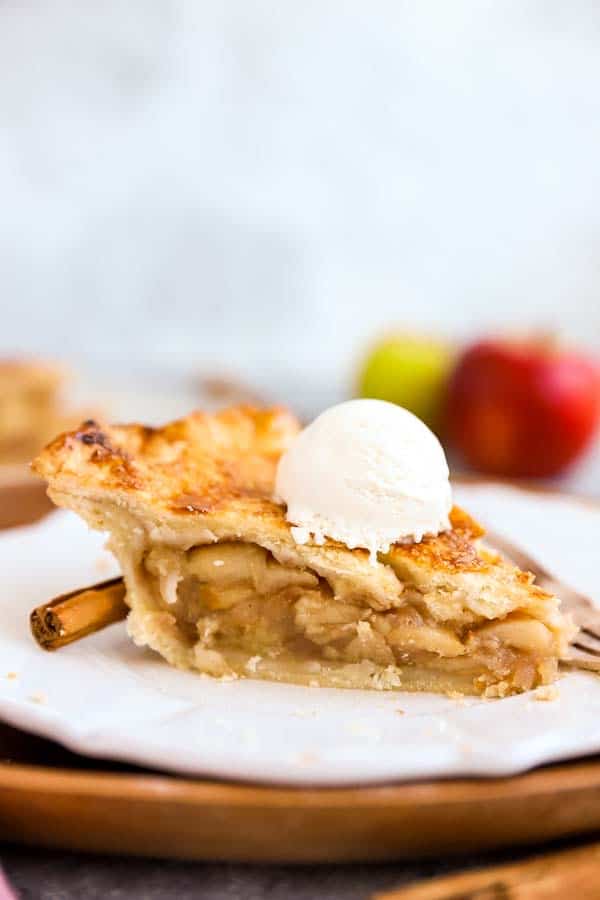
(56, 875)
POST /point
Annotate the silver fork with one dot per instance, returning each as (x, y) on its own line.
(584, 652)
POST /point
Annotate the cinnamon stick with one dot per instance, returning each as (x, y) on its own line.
(79, 613)
(567, 873)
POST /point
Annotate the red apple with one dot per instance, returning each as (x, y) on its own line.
(522, 408)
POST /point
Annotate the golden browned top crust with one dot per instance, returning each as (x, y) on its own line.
(453, 550)
(198, 464)
(215, 466)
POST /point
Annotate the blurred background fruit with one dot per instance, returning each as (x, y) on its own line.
(409, 370)
(522, 408)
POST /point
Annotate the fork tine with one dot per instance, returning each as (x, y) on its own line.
(588, 636)
(590, 631)
(578, 659)
(595, 651)
(588, 640)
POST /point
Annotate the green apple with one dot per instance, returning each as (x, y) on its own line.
(411, 371)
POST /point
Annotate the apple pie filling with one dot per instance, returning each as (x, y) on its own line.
(231, 609)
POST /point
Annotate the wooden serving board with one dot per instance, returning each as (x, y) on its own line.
(51, 797)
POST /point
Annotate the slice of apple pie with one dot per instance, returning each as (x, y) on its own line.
(216, 582)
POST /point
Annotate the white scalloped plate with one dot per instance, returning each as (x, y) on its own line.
(104, 697)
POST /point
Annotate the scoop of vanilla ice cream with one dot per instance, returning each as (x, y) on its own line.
(366, 473)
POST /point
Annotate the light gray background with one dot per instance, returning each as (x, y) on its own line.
(264, 185)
